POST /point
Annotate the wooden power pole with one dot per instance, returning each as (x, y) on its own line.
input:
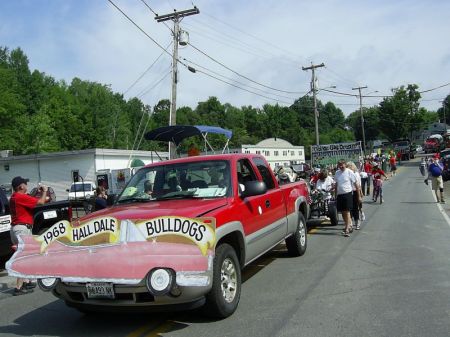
(314, 90)
(176, 17)
(362, 117)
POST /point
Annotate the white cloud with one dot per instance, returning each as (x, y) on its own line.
(380, 44)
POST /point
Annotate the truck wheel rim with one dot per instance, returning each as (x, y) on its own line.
(228, 278)
(302, 233)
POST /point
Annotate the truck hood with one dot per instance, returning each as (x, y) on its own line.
(189, 208)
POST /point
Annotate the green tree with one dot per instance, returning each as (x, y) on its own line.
(397, 112)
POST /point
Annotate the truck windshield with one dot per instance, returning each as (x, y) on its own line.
(206, 179)
(81, 188)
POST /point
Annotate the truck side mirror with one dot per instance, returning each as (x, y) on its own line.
(254, 188)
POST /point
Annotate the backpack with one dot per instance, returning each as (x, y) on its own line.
(435, 170)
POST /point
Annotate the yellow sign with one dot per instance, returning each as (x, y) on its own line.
(200, 231)
(92, 228)
(196, 230)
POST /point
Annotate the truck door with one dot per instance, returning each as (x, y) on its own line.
(262, 216)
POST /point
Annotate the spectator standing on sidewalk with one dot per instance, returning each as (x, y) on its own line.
(100, 198)
(345, 182)
(22, 206)
(435, 170)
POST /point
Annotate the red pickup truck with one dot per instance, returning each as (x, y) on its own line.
(178, 236)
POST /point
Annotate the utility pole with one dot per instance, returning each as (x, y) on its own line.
(176, 17)
(314, 90)
(362, 117)
(444, 104)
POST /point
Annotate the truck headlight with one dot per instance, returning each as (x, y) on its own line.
(160, 281)
(47, 284)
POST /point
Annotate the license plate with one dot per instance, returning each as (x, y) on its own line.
(5, 223)
(100, 290)
(50, 215)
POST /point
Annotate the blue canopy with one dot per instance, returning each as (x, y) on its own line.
(176, 133)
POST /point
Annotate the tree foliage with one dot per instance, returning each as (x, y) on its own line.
(41, 114)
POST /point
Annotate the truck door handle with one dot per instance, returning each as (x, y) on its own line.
(267, 203)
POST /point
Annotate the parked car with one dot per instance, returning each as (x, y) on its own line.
(82, 190)
(5, 225)
(177, 237)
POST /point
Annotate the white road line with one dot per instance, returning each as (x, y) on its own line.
(441, 209)
(444, 213)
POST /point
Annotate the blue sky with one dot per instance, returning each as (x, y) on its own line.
(382, 44)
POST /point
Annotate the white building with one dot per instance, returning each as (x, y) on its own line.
(277, 151)
(58, 169)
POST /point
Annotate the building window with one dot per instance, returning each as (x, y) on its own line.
(300, 153)
(258, 152)
(284, 153)
(247, 151)
(292, 153)
(267, 153)
(275, 153)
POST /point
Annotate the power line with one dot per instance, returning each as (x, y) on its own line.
(337, 75)
(252, 36)
(146, 91)
(340, 93)
(236, 86)
(221, 41)
(243, 76)
(165, 24)
(234, 39)
(138, 27)
(240, 83)
(146, 70)
(441, 86)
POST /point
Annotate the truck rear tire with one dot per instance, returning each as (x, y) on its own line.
(223, 298)
(296, 243)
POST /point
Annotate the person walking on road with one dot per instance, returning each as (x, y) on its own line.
(423, 166)
(435, 170)
(345, 183)
(393, 165)
(368, 169)
(357, 196)
(22, 206)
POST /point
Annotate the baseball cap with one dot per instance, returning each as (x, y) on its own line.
(17, 181)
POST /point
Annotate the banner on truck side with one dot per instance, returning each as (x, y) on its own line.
(330, 154)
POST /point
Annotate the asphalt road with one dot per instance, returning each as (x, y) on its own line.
(392, 278)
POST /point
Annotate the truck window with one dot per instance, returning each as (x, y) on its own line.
(265, 172)
(245, 171)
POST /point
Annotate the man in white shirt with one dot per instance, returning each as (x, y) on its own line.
(345, 183)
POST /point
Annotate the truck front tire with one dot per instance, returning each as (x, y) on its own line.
(223, 298)
(296, 243)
